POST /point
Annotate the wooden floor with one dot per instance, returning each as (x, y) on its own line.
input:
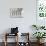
(13, 44)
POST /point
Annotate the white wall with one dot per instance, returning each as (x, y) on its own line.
(29, 7)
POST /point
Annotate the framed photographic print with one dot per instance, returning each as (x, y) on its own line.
(16, 12)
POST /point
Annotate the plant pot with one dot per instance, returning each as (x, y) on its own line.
(40, 41)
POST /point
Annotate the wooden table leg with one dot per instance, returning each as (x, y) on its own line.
(16, 40)
(5, 40)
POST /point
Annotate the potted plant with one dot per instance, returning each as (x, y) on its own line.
(39, 35)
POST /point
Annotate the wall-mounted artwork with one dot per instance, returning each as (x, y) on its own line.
(16, 12)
